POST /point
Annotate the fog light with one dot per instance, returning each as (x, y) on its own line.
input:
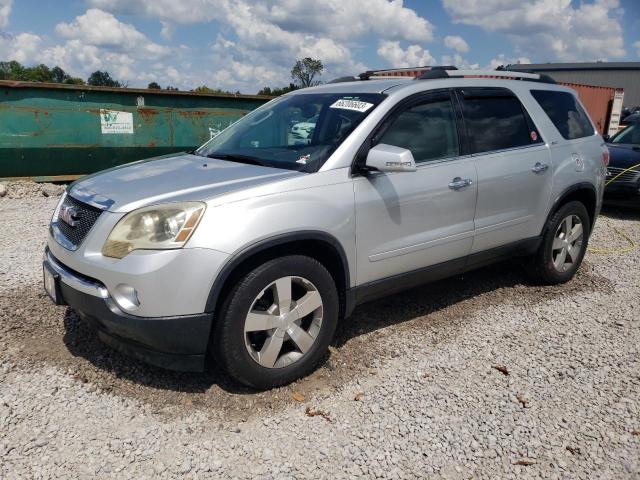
(126, 296)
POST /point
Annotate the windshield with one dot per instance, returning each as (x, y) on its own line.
(296, 132)
(630, 134)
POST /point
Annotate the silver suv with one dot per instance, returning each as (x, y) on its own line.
(252, 248)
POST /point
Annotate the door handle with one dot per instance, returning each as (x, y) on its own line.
(458, 183)
(539, 167)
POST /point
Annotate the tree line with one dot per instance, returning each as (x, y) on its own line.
(304, 74)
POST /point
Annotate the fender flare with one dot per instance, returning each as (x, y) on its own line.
(255, 248)
(565, 193)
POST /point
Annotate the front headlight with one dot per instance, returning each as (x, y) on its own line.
(158, 227)
(56, 212)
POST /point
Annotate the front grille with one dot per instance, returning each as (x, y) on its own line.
(85, 218)
(628, 176)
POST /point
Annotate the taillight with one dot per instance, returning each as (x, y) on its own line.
(605, 156)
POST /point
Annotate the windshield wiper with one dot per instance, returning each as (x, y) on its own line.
(237, 158)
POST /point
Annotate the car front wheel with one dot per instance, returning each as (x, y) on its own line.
(277, 322)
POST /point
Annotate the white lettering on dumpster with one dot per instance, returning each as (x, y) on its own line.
(113, 121)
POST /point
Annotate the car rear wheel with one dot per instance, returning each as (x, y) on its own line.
(277, 322)
(563, 246)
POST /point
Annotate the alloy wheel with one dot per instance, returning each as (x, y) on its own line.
(283, 322)
(567, 243)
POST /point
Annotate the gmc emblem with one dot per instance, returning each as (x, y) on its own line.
(69, 215)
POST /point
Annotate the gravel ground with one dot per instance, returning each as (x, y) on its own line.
(481, 376)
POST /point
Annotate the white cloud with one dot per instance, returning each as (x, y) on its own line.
(22, 47)
(548, 29)
(348, 19)
(502, 59)
(337, 19)
(413, 56)
(167, 30)
(258, 42)
(5, 11)
(637, 47)
(95, 40)
(457, 43)
(101, 29)
(457, 61)
(268, 35)
(184, 11)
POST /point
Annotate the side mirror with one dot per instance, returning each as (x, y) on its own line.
(606, 137)
(387, 158)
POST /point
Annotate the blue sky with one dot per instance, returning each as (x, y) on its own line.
(246, 44)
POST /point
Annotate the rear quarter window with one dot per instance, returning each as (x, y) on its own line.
(565, 112)
(496, 122)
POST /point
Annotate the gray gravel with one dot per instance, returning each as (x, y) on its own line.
(482, 376)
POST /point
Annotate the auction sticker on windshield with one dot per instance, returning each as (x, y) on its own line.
(356, 105)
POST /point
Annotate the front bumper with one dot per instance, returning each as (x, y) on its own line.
(175, 343)
(622, 190)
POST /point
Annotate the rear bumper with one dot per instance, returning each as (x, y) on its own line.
(175, 343)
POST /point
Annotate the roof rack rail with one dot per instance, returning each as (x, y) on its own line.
(497, 73)
(384, 74)
(445, 71)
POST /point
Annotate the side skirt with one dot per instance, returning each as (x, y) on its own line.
(404, 281)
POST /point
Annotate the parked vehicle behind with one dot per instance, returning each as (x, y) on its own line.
(255, 246)
(623, 172)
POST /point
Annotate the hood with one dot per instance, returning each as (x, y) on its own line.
(173, 178)
(623, 155)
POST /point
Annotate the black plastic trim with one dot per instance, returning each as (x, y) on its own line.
(266, 244)
(568, 191)
(175, 343)
(404, 281)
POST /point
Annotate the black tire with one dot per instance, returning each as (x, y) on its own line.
(542, 269)
(228, 340)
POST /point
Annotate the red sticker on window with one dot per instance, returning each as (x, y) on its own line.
(534, 135)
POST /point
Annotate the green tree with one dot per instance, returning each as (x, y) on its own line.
(74, 81)
(103, 79)
(11, 71)
(58, 75)
(276, 92)
(40, 73)
(205, 89)
(154, 86)
(304, 71)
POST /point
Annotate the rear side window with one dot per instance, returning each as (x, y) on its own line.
(496, 123)
(565, 112)
(428, 130)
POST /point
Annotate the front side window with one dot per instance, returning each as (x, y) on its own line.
(496, 123)
(428, 130)
(630, 135)
(296, 132)
(565, 112)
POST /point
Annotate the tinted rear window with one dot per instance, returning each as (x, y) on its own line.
(565, 112)
(496, 123)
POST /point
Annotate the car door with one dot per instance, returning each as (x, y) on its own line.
(411, 220)
(513, 165)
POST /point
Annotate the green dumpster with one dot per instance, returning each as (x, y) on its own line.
(54, 132)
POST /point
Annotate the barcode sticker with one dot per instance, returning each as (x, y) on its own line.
(355, 105)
